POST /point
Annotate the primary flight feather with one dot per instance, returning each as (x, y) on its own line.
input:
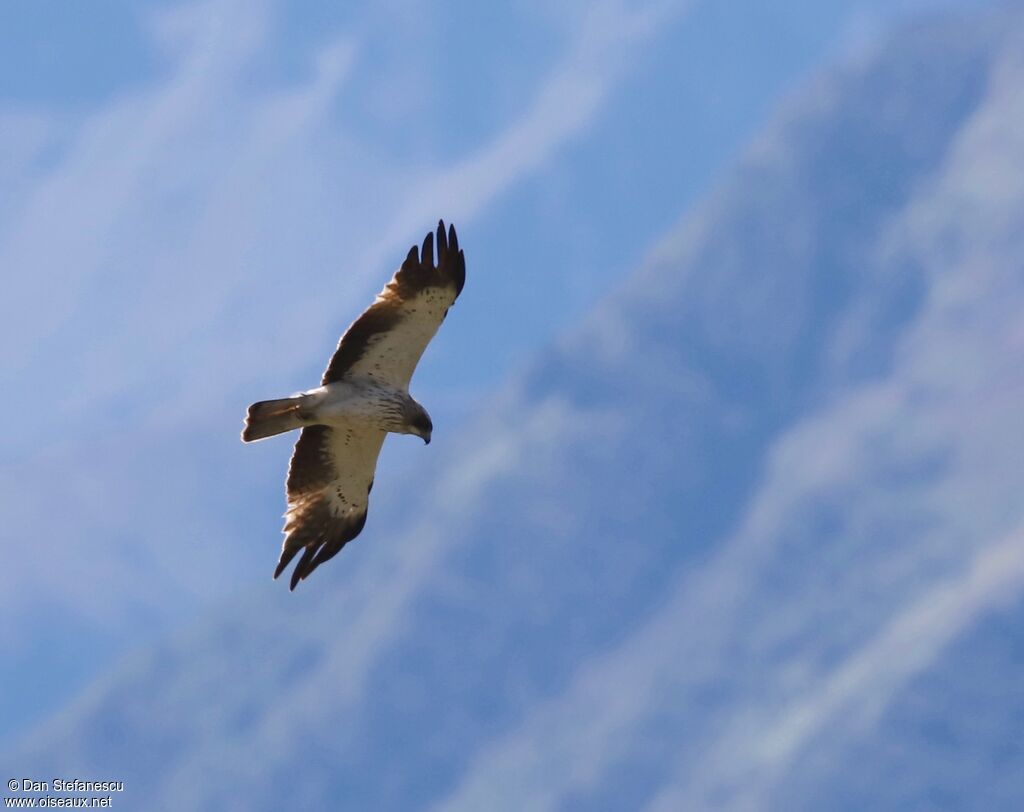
(364, 395)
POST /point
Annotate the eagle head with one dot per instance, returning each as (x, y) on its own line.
(417, 421)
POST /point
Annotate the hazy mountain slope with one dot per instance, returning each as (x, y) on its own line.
(698, 550)
(194, 237)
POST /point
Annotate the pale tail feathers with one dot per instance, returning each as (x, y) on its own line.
(270, 417)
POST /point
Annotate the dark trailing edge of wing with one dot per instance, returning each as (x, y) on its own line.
(417, 273)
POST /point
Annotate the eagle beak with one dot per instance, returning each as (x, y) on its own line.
(426, 440)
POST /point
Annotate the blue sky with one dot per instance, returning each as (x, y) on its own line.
(199, 197)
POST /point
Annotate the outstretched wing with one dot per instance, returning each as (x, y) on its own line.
(386, 342)
(329, 481)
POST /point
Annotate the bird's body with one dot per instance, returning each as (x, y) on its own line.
(363, 397)
(361, 401)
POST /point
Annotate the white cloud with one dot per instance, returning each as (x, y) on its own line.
(159, 203)
(608, 36)
(731, 627)
(177, 249)
(746, 762)
(571, 742)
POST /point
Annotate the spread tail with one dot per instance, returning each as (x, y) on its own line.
(270, 417)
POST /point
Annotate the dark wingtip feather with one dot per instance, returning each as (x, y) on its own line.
(282, 563)
(427, 254)
(287, 554)
(442, 242)
(302, 569)
(413, 257)
(450, 258)
(460, 273)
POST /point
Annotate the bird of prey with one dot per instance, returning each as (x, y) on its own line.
(364, 395)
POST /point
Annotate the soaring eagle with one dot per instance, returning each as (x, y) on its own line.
(364, 395)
